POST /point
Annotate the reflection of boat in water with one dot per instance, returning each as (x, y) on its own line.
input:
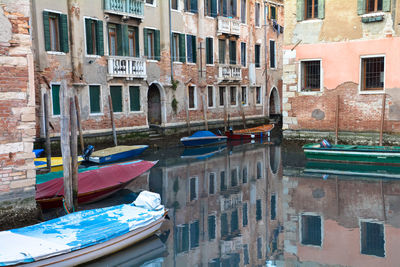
(346, 169)
(202, 152)
(151, 249)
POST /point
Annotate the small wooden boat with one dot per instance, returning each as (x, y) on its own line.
(83, 236)
(56, 163)
(353, 153)
(116, 153)
(203, 138)
(346, 169)
(94, 184)
(202, 152)
(263, 131)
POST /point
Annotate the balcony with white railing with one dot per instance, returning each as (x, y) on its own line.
(229, 72)
(126, 67)
(129, 8)
(228, 26)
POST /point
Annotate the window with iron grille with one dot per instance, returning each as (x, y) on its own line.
(372, 239)
(372, 73)
(311, 75)
(311, 7)
(311, 230)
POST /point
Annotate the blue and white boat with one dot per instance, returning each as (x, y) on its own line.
(113, 154)
(203, 138)
(83, 236)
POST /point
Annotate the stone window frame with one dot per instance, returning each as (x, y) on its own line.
(371, 92)
(300, 220)
(257, 23)
(275, 57)
(97, 54)
(196, 180)
(236, 96)
(152, 5)
(213, 50)
(194, 97)
(261, 95)
(52, 52)
(245, 104)
(300, 77)
(213, 97)
(101, 113)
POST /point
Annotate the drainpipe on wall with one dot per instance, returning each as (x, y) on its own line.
(170, 42)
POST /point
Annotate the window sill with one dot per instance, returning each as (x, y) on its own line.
(136, 112)
(96, 114)
(178, 62)
(371, 92)
(152, 60)
(191, 13)
(313, 20)
(210, 65)
(56, 53)
(150, 5)
(93, 56)
(192, 108)
(310, 92)
(191, 63)
(211, 107)
(372, 17)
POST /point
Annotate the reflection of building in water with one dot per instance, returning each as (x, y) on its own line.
(224, 210)
(341, 221)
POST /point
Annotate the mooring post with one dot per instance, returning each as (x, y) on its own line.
(205, 112)
(382, 119)
(337, 121)
(112, 120)
(225, 111)
(47, 130)
(78, 116)
(74, 152)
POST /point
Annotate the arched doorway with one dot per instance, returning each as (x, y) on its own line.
(274, 103)
(154, 105)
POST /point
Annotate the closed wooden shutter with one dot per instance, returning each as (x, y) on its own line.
(146, 47)
(321, 9)
(182, 52)
(209, 51)
(214, 12)
(120, 51)
(55, 96)
(134, 96)
(94, 93)
(137, 48)
(232, 52)
(300, 10)
(46, 30)
(386, 5)
(125, 40)
(64, 33)
(234, 8)
(194, 49)
(225, 8)
(100, 38)
(116, 98)
(89, 41)
(189, 48)
(361, 6)
(193, 6)
(157, 44)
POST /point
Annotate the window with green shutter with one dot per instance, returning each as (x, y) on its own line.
(55, 28)
(243, 54)
(370, 6)
(134, 97)
(232, 52)
(116, 98)
(94, 98)
(310, 9)
(209, 50)
(151, 43)
(55, 97)
(257, 55)
(191, 48)
(178, 47)
(272, 56)
(210, 8)
(191, 6)
(221, 51)
(94, 37)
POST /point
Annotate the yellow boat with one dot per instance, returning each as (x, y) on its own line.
(56, 163)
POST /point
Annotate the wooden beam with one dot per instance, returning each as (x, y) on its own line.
(205, 112)
(74, 152)
(382, 119)
(112, 121)
(78, 116)
(337, 120)
(47, 130)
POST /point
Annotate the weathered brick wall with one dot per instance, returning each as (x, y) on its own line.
(17, 106)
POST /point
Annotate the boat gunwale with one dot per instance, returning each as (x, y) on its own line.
(361, 149)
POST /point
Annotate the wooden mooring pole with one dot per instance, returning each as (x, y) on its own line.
(382, 119)
(74, 152)
(337, 120)
(112, 120)
(78, 116)
(205, 112)
(47, 130)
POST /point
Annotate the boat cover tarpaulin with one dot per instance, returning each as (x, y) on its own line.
(77, 230)
(97, 179)
(202, 134)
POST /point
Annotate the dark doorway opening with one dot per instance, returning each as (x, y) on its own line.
(154, 105)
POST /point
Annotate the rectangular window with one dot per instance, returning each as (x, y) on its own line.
(193, 188)
(311, 7)
(134, 97)
(209, 50)
(272, 57)
(233, 95)
(191, 6)
(211, 183)
(372, 239)
(94, 37)
(222, 181)
(113, 40)
(234, 177)
(224, 225)
(191, 48)
(227, 8)
(95, 99)
(150, 2)
(210, 96)
(259, 170)
(311, 230)
(194, 234)
(246, 258)
(221, 96)
(133, 41)
(272, 12)
(243, 54)
(244, 96)
(55, 97)
(373, 73)
(182, 238)
(234, 221)
(374, 5)
(273, 207)
(151, 43)
(244, 175)
(257, 55)
(258, 95)
(245, 218)
(210, 8)
(192, 97)
(232, 52)
(221, 51)
(174, 4)
(257, 14)
(116, 98)
(55, 27)
(311, 75)
(259, 248)
(211, 227)
(258, 210)
(243, 10)
(175, 47)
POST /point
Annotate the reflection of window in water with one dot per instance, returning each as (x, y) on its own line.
(214, 263)
(244, 174)
(181, 238)
(234, 221)
(234, 178)
(223, 182)
(273, 207)
(211, 184)
(311, 230)
(194, 234)
(274, 158)
(232, 261)
(193, 188)
(246, 254)
(244, 220)
(224, 225)
(372, 239)
(258, 210)
(211, 227)
(259, 170)
(259, 248)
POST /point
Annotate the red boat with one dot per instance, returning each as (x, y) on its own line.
(250, 133)
(93, 185)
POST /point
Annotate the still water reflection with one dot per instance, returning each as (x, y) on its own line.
(260, 205)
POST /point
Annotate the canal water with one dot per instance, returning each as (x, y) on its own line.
(263, 204)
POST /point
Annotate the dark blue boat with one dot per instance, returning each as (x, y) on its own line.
(117, 153)
(203, 138)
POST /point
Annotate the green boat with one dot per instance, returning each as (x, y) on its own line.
(389, 155)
